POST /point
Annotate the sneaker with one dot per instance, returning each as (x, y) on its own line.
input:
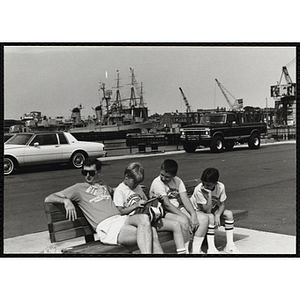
(232, 249)
(213, 251)
(151, 214)
(155, 213)
(161, 210)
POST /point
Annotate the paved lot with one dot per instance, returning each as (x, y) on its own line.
(249, 242)
(262, 181)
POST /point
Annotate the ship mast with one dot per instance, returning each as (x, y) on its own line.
(132, 92)
(118, 95)
(142, 104)
(106, 97)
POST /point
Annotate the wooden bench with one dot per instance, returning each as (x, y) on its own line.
(61, 229)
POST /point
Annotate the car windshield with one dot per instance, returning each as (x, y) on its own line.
(213, 119)
(19, 139)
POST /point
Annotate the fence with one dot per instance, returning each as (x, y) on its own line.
(139, 143)
(282, 133)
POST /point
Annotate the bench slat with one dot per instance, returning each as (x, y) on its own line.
(66, 224)
(72, 233)
(56, 212)
(97, 247)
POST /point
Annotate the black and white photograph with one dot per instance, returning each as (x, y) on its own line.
(149, 149)
(162, 149)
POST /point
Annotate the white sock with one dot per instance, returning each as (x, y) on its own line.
(197, 243)
(229, 225)
(181, 251)
(211, 237)
(186, 246)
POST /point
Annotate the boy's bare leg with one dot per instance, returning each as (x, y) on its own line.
(137, 229)
(174, 226)
(156, 243)
(184, 225)
(200, 232)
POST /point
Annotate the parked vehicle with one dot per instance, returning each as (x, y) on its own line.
(52, 147)
(221, 130)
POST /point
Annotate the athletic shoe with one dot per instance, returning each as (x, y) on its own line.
(151, 214)
(232, 249)
(161, 210)
(213, 251)
(155, 213)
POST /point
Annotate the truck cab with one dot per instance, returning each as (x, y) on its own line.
(221, 131)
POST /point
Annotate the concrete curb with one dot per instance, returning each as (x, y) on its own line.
(250, 242)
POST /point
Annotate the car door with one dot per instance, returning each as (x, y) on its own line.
(43, 148)
(66, 147)
(235, 128)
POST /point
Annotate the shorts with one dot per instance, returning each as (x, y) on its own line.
(109, 229)
(214, 209)
(174, 202)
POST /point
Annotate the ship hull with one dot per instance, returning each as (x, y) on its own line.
(108, 132)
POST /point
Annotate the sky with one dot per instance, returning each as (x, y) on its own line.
(54, 80)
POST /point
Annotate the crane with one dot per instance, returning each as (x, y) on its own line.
(281, 90)
(188, 107)
(287, 75)
(238, 103)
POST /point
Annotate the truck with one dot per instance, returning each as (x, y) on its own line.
(221, 130)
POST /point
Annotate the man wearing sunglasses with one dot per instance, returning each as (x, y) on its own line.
(94, 198)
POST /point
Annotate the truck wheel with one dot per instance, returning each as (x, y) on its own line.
(254, 141)
(217, 144)
(229, 145)
(189, 148)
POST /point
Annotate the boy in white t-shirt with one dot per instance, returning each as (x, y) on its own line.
(130, 198)
(209, 196)
(178, 206)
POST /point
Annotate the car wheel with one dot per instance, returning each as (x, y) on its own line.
(77, 159)
(217, 144)
(189, 148)
(9, 165)
(254, 141)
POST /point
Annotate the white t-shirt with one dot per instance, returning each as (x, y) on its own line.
(125, 197)
(172, 190)
(200, 197)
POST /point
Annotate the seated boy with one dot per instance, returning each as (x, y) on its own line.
(209, 196)
(130, 198)
(177, 204)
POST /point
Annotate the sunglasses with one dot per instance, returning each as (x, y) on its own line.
(91, 173)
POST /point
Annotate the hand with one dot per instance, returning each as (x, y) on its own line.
(194, 222)
(141, 203)
(217, 220)
(205, 191)
(70, 210)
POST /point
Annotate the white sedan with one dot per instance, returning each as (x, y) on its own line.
(48, 147)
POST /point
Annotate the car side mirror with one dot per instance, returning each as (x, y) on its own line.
(36, 144)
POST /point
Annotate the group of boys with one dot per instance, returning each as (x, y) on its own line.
(126, 216)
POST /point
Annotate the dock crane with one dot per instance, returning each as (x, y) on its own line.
(284, 95)
(188, 107)
(287, 75)
(238, 103)
(283, 90)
